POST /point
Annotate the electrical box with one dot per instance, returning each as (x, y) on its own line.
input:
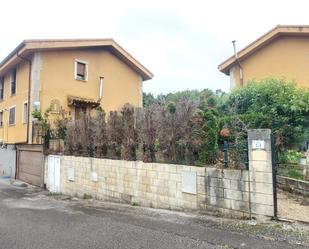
(71, 174)
(189, 182)
(94, 176)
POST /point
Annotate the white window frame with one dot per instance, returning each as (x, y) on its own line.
(10, 85)
(1, 125)
(23, 110)
(75, 69)
(10, 108)
(3, 88)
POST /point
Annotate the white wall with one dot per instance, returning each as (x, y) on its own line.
(8, 161)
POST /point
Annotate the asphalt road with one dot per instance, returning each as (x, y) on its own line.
(30, 218)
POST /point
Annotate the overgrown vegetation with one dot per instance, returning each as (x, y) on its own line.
(274, 104)
(289, 157)
(181, 132)
(190, 126)
(47, 128)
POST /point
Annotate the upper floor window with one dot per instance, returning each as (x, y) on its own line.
(13, 82)
(1, 88)
(12, 115)
(1, 118)
(81, 70)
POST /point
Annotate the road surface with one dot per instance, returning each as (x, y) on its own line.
(31, 218)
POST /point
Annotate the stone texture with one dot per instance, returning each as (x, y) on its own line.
(293, 185)
(146, 184)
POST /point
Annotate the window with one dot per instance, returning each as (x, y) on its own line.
(25, 112)
(1, 118)
(81, 70)
(13, 82)
(1, 88)
(12, 116)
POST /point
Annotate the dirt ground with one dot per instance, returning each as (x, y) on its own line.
(291, 206)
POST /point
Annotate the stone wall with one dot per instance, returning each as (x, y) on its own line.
(8, 161)
(167, 186)
(293, 185)
(228, 192)
(155, 185)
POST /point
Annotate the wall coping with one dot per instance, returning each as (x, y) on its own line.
(293, 179)
(139, 161)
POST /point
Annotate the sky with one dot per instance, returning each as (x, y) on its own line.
(180, 42)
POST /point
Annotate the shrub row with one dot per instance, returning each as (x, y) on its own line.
(184, 132)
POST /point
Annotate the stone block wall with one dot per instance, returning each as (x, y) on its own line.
(167, 186)
(228, 192)
(293, 185)
(146, 184)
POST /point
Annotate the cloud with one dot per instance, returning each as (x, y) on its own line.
(182, 42)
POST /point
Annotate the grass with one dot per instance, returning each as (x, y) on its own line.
(296, 174)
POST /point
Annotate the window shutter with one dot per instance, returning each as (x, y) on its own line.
(81, 68)
(12, 116)
(1, 118)
(1, 88)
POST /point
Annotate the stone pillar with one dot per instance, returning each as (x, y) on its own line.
(261, 176)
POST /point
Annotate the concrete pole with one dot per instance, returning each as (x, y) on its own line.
(262, 172)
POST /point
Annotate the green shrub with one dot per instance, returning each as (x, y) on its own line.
(274, 104)
(289, 157)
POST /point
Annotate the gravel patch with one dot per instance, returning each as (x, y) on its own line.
(293, 207)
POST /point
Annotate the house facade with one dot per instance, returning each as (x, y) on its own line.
(71, 75)
(283, 53)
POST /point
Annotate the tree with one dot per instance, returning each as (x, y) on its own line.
(270, 103)
(209, 115)
(148, 99)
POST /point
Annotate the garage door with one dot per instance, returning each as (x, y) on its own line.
(30, 160)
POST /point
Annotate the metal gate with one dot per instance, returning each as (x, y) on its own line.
(53, 174)
(235, 155)
(30, 164)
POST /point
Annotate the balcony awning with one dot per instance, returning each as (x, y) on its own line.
(80, 101)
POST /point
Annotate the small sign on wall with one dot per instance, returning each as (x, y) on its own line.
(189, 182)
(258, 144)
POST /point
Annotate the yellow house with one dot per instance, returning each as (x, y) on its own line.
(75, 75)
(283, 52)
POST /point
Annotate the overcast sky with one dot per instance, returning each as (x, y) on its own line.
(181, 42)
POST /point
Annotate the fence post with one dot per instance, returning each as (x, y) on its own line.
(225, 148)
(262, 175)
(246, 158)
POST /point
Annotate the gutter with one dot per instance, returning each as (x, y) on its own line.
(15, 51)
(29, 92)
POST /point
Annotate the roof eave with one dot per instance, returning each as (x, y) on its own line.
(30, 46)
(262, 41)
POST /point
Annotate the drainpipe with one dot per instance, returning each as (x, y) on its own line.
(29, 92)
(101, 89)
(241, 77)
(5, 123)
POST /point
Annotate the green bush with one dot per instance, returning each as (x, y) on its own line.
(289, 157)
(271, 103)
